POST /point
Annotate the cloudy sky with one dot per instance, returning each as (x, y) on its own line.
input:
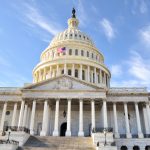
(120, 29)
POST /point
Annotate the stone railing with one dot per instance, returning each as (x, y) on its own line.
(128, 90)
(9, 142)
(15, 128)
(95, 130)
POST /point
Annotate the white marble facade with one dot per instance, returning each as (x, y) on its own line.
(71, 96)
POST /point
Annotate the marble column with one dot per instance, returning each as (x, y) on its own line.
(25, 116)
(105, 114)
(73, 70)
(88, 73)
(80, 72)
(3, 118)
(20, 122)
(13, 122)
(28, 118)
(140, 134)
(56, 132)
(65, 68)
(100, 74)
(95, 75)
(57, 70)
(115, 121)
(50, 72)
(45, 119)
(147, 131)
(44, 74)
(32, 118)
(128, 134)
(148, 114)
(68, 132)
(92, 114)
(81, 132)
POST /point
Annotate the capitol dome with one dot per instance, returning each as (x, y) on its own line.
(72, 53)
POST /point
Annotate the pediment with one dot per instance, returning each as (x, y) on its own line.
(63, 82)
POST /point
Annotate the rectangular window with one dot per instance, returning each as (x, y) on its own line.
(87, 54)
(69, 72)
(76, 73)
(76, 52)
(70, 51)
(82, 53)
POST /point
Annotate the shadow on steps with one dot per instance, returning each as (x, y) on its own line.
(35, 142)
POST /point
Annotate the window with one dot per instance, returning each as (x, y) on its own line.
(92, 55)
(84, 37)
(76, 52)
(93, 77)
(75, 35)
(69, 72)
(62, 71)
(76, 73)
(98, 77)
(83, 75)
(87, 54)
(82, 53)
(80, 36)
(96, 57)
(70, 51)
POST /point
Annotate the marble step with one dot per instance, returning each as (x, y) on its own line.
(58, 143)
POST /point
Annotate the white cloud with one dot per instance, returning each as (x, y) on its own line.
(34, 16)
(144, 35)
(116, 70)
(136, 71)
(108, 28)
(139, 67)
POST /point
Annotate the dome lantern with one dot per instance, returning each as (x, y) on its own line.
(73, 22)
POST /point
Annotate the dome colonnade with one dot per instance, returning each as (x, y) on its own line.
(81, 59)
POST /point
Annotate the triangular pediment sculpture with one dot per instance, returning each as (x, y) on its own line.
(63, 82)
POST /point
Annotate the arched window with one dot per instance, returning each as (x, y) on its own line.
(147, 147)
(82, 53)
(123, 148)
(76, 52)
(69, 72)
(136, 147)
(83, 75)
(70, 51)
(76, 73)
(87, 54)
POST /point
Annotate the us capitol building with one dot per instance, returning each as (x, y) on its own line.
(71, 96)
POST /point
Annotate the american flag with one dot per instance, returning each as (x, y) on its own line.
(61, 50)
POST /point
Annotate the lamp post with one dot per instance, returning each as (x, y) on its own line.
(8, 140)
(105, 133)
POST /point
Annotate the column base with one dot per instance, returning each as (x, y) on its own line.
(140, 135)
(117, 135)
(128, 135)
(55, 133)
(42, 133)
(80, 133)
(68, 133)
(32, 132)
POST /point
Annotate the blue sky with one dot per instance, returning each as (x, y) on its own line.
(120, 29)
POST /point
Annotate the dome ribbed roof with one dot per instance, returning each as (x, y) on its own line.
(72, 34)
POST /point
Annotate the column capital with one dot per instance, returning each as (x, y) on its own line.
(69, 99)
(80, 99)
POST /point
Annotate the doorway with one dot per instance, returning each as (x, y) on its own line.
(63, 129)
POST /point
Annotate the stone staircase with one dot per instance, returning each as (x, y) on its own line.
(58, 143)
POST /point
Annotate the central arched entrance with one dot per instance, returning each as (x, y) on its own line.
(63, 129)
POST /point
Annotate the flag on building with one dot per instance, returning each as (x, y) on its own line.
(61, 50)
